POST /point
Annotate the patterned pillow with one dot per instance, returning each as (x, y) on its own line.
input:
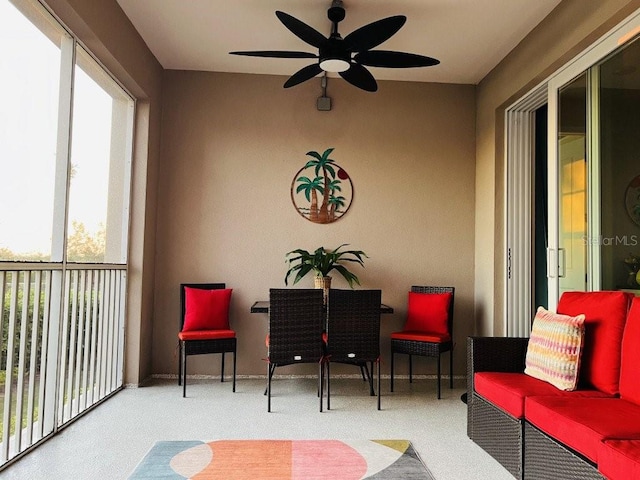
(555, 349)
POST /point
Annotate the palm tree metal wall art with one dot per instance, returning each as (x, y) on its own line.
(321, 191)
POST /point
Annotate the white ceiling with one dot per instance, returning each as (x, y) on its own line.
(469, 37)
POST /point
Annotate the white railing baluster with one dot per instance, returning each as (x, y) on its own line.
(4, 452)
(70, 401)
(22, 354)
(88, 292)
(122, 276)
(8, 386)
(64, 332)
(101, 332)
(112, 293)
(94, 337)
(79, 343)
(35, 329)
(43, 356)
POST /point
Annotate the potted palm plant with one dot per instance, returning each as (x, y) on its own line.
(321, 262)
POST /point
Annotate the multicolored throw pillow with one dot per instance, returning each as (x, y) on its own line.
(555, 349)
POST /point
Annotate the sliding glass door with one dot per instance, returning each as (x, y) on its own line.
(594, 191)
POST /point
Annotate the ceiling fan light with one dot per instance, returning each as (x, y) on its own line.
(334, 65)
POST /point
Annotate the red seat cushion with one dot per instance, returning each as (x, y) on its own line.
(605, 315)
(582, 423)
(630, 364)
(206, 334)
(619, 459)
(428, 312)
(430, 337)
(507, 391)
(206, 309)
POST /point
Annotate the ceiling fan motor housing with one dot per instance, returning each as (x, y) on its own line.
(333, 56)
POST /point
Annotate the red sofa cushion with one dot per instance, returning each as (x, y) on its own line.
(630, 363)
(605, 314)
(582, 423)
(206, 309)
(619, 459)
(507, 391)
(428, 312)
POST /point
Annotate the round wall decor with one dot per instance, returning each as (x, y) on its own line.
(321, 191)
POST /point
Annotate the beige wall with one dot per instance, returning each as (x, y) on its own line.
(231, 145)
(568, 30)
(106, 31)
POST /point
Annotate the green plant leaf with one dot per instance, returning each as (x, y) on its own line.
(323, 261)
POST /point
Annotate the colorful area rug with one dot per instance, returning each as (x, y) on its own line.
(283, 460)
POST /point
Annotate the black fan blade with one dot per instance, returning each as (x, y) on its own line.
(301, 30)
(303, 75)
(276, 54)
(386, 58)
(360, 77)
(374, 34)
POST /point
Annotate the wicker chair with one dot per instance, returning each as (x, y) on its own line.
(296, 322)
(203, 341)
(424, 342)
(353, 332)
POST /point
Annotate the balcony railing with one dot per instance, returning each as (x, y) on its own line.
(62, 333)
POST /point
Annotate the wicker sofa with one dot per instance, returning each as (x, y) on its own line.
(537, 431)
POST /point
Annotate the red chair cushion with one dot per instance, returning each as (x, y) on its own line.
(206, 334)
(206, 309)
(630, 364)
(619, 459)
(605, 315)
(428, 312)
(582, 423)
(507, 391)
(421, 336)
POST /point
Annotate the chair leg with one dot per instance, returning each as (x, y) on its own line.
(410, 369)
(184, 371)
(234, 370)
(378, 362)
(369, 377)
(180, 362)
(321, 383)
(222, 369)
(438, 376)
(451, 368)
(270, 369)
(392, 355)
(328, 385)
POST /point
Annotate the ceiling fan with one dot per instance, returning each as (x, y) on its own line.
(346, 56)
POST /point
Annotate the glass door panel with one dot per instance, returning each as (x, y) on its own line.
(572, 184)
(618, 125)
